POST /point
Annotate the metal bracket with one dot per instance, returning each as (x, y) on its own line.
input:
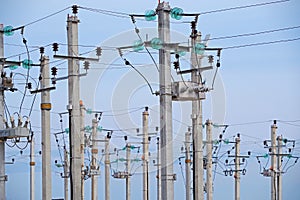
(4, 178)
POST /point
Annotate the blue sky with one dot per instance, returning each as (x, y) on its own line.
(254, 84)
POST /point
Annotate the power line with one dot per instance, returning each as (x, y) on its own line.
(127, 15)
(243, 7)
(107, 12)
(255, 33)
(262, 43)
(43, 18)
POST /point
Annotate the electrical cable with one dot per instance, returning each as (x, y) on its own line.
(187, 125)
(128, 63)
(297, 125)
(43, 18)
(127, 15)
(249, 123)
(214, 78)
(33, 50)
(27, 76)
(6, 108)
(106, 12)
(261, 43)
(243, 7)
(22, 148)
(34, 98)
(254, 33)
(138, 34)
(125, 113)
(11, 146)
(181, 169)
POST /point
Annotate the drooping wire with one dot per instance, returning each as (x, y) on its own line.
(137, 31)
(27, 76)
(128, 63)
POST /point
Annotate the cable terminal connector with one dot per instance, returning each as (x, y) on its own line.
(20, 121)
(26, 122)
(12, 121)
(6, 123)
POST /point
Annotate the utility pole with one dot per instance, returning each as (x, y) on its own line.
(128, 171)
(145, 154)
(167, 176)
(82, 145)
(107, 168)
(158, 173)
(197, 125)
(209, 177)
(273, 161)
(3, 177)
(73, 107)
(46, 140)
(237, 168)
(94, 165)
(32, 167)
(66, 174)
(279, 165)
(188, 165)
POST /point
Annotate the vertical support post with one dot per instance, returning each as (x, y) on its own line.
(279, 168)
(107, 169)
(158, 173)
(2, 142)
(237, 175)
(46, 140)
(166, 137)
(66, 174)
(145, 154)
(209, 176)
(128, 171)
(94, 165)
(188, 165)
(32, 167)
(197, 128)
(273, 161)
(73, 93)
(82, 122)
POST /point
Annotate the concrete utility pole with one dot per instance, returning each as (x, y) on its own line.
(107, 169)
(32, 167)
(237, 175)
(209, 176)
(158, 173)
(197, 127)
(188, 165)
(46, 140)
(82, 145)
(2, 142)
(73, 107)
(273, 161)
(279, 166)
(145, 154)
(66, 174)
(128, 171)
(94, 165)
(167, 176)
